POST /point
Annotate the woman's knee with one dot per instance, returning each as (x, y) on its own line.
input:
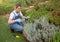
(20, 28)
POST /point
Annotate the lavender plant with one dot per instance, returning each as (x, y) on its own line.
(40, 30)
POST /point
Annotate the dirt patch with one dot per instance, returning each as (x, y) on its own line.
(6, 16)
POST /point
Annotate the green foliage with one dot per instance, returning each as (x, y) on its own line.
(54, 17)
(7, 6)
(48, 9)
(5, 9)
(22, 2)
(56, 37)
(26, 2)
(23, 10)
(37, 11)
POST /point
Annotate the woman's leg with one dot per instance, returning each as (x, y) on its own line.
(16, 27)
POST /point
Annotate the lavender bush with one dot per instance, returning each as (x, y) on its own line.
(40, 30)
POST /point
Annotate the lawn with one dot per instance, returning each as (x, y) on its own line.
(5, 33)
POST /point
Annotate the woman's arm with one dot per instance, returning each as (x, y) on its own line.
(11, 21)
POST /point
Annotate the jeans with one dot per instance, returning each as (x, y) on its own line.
(17, 26)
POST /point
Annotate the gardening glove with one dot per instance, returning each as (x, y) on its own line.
(18, 20)
(27, 17)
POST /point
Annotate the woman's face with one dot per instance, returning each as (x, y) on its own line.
(18, 9)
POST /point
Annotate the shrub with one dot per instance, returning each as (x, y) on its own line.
(40, 30)
(5, 9)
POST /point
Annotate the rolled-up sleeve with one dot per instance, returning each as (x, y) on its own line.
(11, 16)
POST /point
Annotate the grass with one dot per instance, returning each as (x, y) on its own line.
(6, 35)
(56, 37)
